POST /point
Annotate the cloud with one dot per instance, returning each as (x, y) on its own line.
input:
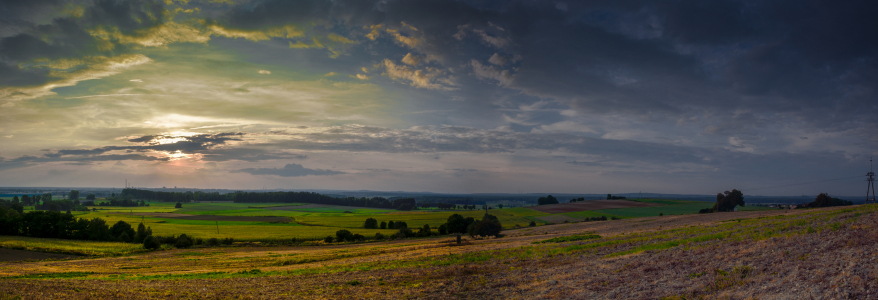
(428, 78)
(266, 72)
(362, 77)
(412, 60)
(504, 77)
(74, 70)
(498, 59)
(290, 170)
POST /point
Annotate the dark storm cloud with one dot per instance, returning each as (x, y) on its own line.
(203, 143)
(290, 170)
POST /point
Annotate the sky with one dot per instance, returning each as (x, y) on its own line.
(692, 97)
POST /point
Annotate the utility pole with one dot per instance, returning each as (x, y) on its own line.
(870, 184)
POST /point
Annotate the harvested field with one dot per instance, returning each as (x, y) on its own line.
(319, 208)
(816, 253)
(211, 217)
(22, 255)
(589, 205)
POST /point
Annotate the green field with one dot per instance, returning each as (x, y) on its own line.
(311, 222)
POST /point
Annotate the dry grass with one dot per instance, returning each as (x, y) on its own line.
(823, 253)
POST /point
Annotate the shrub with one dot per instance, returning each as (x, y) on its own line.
(199, 241)
(358, 237)
(379, 236)
(150, 243)
(328, 239)
(534, 223)
(371, 223)
(443, 229)
(178, 205)
(343, 235)
(425, 231)
(213, 242)
(383, 225)
(228, 241)
(183, 241)
(391, 225)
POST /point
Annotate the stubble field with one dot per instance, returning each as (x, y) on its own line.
(818, 253)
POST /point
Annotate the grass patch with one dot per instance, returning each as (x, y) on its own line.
(572, 238)
(74, 247)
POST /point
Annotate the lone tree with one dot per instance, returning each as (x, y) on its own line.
(547, 200)
(824, 200)
(371, 223)
(178, 205)
(726, 201)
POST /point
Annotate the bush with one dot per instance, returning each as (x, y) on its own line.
(401, 225)
(534, 223)
(705, 211)
(199, 241)
(213, 242)
(328, 239)
(178, 205)
(383, 225)
(425, 231)
(371, 223)
(183, 241)
(443, 229)
(228, 241)
(391, 225)
(150, 243)
(379, 236)
(343, 235)
(358, 237)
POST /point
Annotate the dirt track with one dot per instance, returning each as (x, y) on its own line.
(19, 255)
(212, 217)
(589, 205)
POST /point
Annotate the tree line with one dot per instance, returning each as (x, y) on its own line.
(271, 197)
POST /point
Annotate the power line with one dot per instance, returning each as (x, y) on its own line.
(804, 183)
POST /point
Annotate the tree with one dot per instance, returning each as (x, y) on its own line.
(456, 224)
(371, 223)
(343, 235)
(824, 200)
(122, 227)
(488, 226)
(727, 201)
(391, 225)
(151, 243)
(141, 233)
(178, 205)
(500, 205)
(425, 231)
(183, 241)
(328, 239)
(383, 225)
(443, 229)
(547, 200)
(90, 197)
(401, 225)
(98, 230)
(73, 195)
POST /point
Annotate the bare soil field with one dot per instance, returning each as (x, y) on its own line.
(589, 205)
(212, 217)
(800, 254)
(21, 255)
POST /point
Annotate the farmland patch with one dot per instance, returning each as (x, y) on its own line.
(590, 205)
